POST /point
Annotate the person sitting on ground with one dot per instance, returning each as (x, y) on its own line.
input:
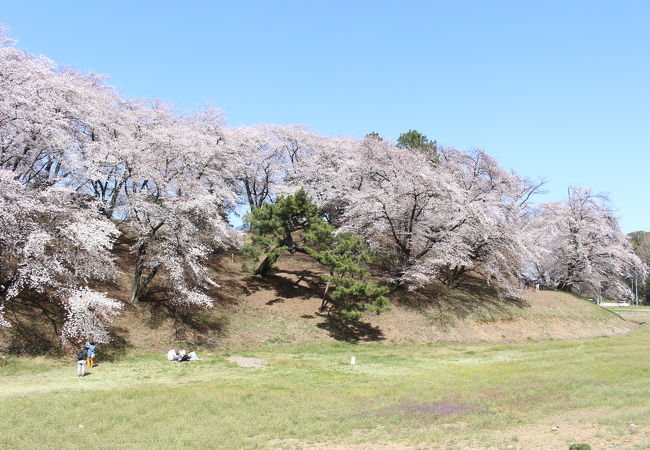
(193, 356)
(183, 356)
(171, 355)
(82, 354)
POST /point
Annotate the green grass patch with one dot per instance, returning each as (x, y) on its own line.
(309, 394)
(640, 308)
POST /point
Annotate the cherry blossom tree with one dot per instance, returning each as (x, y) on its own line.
(53, 246)
(177, 189)
(398, 202)
(489, 219)
(166, 177)
(428, 218)
(329, 172)
(262, 162)
(54, 243)
(47, 117)
(585, 250)
(270, 156)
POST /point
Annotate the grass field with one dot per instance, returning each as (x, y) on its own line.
(528, 395)
(640, 308)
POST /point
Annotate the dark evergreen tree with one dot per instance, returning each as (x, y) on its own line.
(295, 224)
(414, 140)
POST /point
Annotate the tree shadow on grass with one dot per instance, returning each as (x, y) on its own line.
(283, 287)
(229, 279)
(350, 331)
(36, 326)
(117, 347)
(192, 325)
(36, 329)
(471, 299)
(305, 285)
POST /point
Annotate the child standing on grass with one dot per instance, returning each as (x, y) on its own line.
(91, 354)
(82, 354)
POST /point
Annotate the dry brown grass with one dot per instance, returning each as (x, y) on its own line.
(283, 308)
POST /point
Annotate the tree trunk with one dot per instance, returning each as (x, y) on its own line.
(267, 264)
(323, 303)
(453, 276)
(113, 200)
(140, 283)
(272, 257)
(136, 287)
(270, 260)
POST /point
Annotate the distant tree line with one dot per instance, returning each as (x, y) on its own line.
(641, 244)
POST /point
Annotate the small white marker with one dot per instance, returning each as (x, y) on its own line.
(353, 360)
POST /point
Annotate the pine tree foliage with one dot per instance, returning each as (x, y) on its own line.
(347, 257)
(274, 228)
(295, 224)
(414, 140)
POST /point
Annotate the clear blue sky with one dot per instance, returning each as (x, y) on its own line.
(553, 89)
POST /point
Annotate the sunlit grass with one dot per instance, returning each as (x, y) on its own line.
(641, 308)
(310, 393)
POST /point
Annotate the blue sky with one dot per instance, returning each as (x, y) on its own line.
(555, 89)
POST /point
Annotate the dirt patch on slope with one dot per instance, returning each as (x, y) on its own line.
(284, 308)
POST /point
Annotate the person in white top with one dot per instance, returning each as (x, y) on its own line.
(171, 355)
(193, 357)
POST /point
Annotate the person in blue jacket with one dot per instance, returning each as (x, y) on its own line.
(90, 360)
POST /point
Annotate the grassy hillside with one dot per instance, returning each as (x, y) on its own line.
(283, 308)
(442, 369)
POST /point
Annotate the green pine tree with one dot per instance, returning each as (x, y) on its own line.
(295, 224)
(346, 257)
(274, 228)
(414, 140)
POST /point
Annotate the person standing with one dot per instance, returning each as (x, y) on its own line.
(90, 360)
(82, 354)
